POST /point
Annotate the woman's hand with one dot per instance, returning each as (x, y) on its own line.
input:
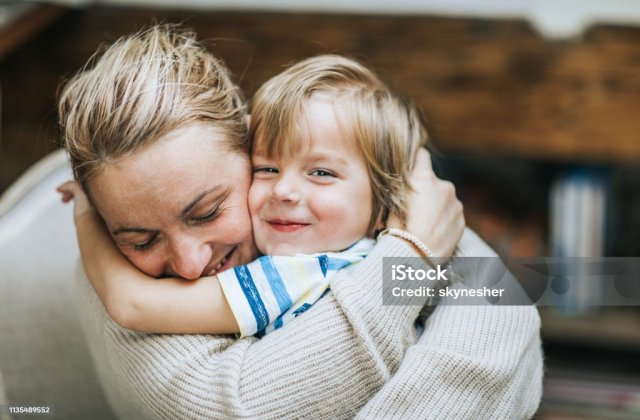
(434, 212)
(71, 190)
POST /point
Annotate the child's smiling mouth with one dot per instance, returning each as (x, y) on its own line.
(282, 225)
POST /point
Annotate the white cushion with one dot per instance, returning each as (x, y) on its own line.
(44, 359)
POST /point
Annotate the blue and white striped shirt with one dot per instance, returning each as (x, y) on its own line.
(270, 291)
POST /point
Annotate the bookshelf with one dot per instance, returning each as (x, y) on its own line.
(611, 327)
(592, 369)
(588, 353)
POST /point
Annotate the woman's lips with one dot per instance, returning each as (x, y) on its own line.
(226, 261)
(286, 225)
(223, 264)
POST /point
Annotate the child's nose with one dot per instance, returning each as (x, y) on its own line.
(286, 189)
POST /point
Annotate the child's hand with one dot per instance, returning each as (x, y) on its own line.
(434, 212)
(71, 190)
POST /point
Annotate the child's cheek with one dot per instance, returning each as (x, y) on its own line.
(256, 198)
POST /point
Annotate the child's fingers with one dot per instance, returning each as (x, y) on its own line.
(66, 186)
(69, 190)
(71, 187)
(66, 196)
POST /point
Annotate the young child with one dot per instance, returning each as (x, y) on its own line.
(332, 152)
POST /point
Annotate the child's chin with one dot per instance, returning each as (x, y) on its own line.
(284, 250)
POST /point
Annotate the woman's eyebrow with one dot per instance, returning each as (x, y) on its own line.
(183, 212)
(130, 230)
(196, 200)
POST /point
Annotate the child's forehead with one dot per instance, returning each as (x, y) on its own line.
(303, 132)
(290, 144)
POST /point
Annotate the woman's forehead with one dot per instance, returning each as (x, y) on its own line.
(195, 147)
(167, 174)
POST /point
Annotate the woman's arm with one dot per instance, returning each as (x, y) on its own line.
(490, 368)
(471, 362)
(140, 302)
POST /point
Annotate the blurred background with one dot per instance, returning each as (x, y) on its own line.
(533, 109)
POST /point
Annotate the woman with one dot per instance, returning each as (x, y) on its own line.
(174, 200)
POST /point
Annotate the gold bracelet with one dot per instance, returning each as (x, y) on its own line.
(410, 237)
(426, 251)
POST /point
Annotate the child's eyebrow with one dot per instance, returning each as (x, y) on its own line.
(333, 158)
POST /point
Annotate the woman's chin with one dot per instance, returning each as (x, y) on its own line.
(239, 255)
(230, 259)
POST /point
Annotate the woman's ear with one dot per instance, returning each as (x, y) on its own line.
(248, 118)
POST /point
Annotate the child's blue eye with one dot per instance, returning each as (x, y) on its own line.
(265, 169)
(322, 172)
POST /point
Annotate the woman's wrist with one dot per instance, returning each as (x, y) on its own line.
(411, 238)
(418, 245)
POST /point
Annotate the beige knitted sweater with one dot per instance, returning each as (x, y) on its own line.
(346, 356)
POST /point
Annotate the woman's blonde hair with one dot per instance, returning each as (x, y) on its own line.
(140, 88)
(388, 128)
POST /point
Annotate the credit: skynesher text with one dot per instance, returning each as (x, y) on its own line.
(424, 291)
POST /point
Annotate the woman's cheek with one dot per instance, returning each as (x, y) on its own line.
(149, 262)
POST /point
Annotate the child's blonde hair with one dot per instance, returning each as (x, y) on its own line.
(142, 87)
(388, 128)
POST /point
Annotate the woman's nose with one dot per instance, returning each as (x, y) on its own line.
(286, 188)
(190, 258)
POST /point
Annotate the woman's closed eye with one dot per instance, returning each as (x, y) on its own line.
(147, 244)
(207, 211)
(209, 216)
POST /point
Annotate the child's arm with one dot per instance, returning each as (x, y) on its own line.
(140, 302)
